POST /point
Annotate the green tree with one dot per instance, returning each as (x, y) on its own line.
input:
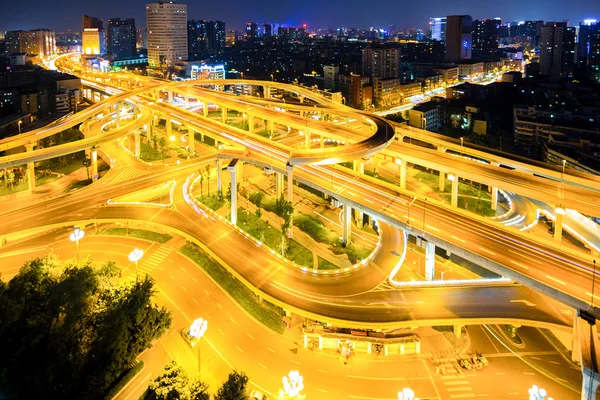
(198, 390)
(163, 147)
(172, 384)
(201, 179)
(207, 169)
(234, 388)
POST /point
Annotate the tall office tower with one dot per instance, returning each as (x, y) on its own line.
(205, 38)
(594, 58)
(438, 28)
(121, 37)
(166, 23)
(40, 42)
(531, 32)
(459, 37)
(267, 30)
(486, 36)
(215, 35)
(588, 30)
(141, 39)
(381, 62)
(251, 31)
(92, 22)
(557, 50)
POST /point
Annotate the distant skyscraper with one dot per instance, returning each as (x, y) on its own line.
(557, 50)
(166, 23)
(381, 62)
(594, 58)
(459, 37)
(267, 30)
(438, 28)
(40, 42)
(486, 36)
(92, 22)
(205, 38)
(121, 37)
(93, 37)
(588, 29)
(251, 30)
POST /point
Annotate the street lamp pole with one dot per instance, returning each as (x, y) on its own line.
(135, 256)
(293, 384)
(76, 236)
(197, 331)
(19, 124)
(407, 394)
(562, 177)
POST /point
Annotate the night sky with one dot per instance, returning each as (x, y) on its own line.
(61, 15)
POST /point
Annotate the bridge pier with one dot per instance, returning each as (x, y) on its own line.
(358, 166)
(94, 158)
(290, 193)
(219, 182)
(458, 331)
(589, 385)
(307, 139)
(138, 144)
(30, 170)
(322, 144)
(168, 126)
(192, 141)
(170, 96)
(494, 198)
(205, 109)
(272, 128)
(429, 261)
(558, 224)
(251, 123)
(442, 182)
(454, 193)
(224, 114)
(278, 184)
(232, 167)
(402, 172)
(240, 171)
(347, 223)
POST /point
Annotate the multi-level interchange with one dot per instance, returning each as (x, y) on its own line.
(133, 104)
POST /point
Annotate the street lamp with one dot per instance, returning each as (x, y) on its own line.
(443, 272)
(197, 330)
(293, 384)
(407, 394)
(563, 170)
(19, 124)
(537, 393)
(135, 256)
(76, 236)
(462, 141)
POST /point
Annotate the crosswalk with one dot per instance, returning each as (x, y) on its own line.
(457, 387)
(148, 265)
(129, 173)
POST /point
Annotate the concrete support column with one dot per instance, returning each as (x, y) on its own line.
(192, 141)
(558, 224)
(155, 120)
(442, 183)
(272, 128)
(376, 163)
(251, 123)
(170, 96)
(278, 184)
(322, 142)
(301, 98)
(233, 170)
(429, 261)
(205, 109)
(402, 173)
(307, 139)
(219, 181)
(138, 144)
(369, 347)
(347, 223)
(118, 114)
(267, 91)
(169, 127)
(290, 194)
(458, 331)
(94, 159)
(358, 166)
(494, 198)
(589, 385)
(224, 114)
(30, 170)
(454, 193)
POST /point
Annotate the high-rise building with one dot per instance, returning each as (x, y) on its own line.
(141, 39)
(594, 58)
(121, 37)
(557, 50)
(41, 42)
(267, 30)
(251, 31)
(381, 62)
(459, 37)
(166, 23)
(92, 23)
(588, 29)
(205, 38)
(438, 28)
(486, 36)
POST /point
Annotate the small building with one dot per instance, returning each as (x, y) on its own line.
(427, 116)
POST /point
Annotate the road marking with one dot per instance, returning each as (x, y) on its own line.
(528, 373)
(459, 389)
(525, 257)
(487, 251)
(219, 306)
(262, 365)
(321, 390)
(222, 333)
(350, 193)
(205, 291)
(527, 303)
(232, 320)
(456, 382)
(194, 279)
(519, 264)
(500, 373)
(195, 301)
(554, 362)
(271, 350)
(556, 280)
(296, 362)
(513, 394)
(172, 277)
(323, 371)
(482, 395)
(596, 297)
(460, 240)
(239, 349)
(250, 336)
(182, 269)
(462, 395)
(535, 358)
(184, 289)
(434, 228)
(560, 379)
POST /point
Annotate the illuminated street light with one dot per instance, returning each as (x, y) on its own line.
(293, 384)
(76, 236)
(537, 393)
(19, 124)
(407, 394)
(197, 331)
(135, 256)
(462, 141)
(563, 170)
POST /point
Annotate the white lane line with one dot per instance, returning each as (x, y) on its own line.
(462, 395)
(350, 193)
(271, 350)
(554, 362)
(596, 297)
(528, 373)
(184, 289)
(239, 349)
(487, 251)
(323, 371)
(222, 333)
(519, 264)
(171, 276)
(182, 269)
(433, 228)
(500, 373)
(535, 358)
(556, 280)
(195, 301)
(321, 390)
(262, 366)
(194, 279)
(232, 320)
(296, 362)
(206, 291)
(219, 306)
(250, 336)
(459, 389)
(513, 394)
(456, 382)
(460, 240)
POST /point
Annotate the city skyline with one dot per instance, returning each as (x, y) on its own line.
(66, 15)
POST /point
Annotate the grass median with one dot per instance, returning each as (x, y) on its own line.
(137, 233)
(265, 312)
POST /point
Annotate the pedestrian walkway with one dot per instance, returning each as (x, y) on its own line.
(458, 387)
(149, 264)
(128, 173)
